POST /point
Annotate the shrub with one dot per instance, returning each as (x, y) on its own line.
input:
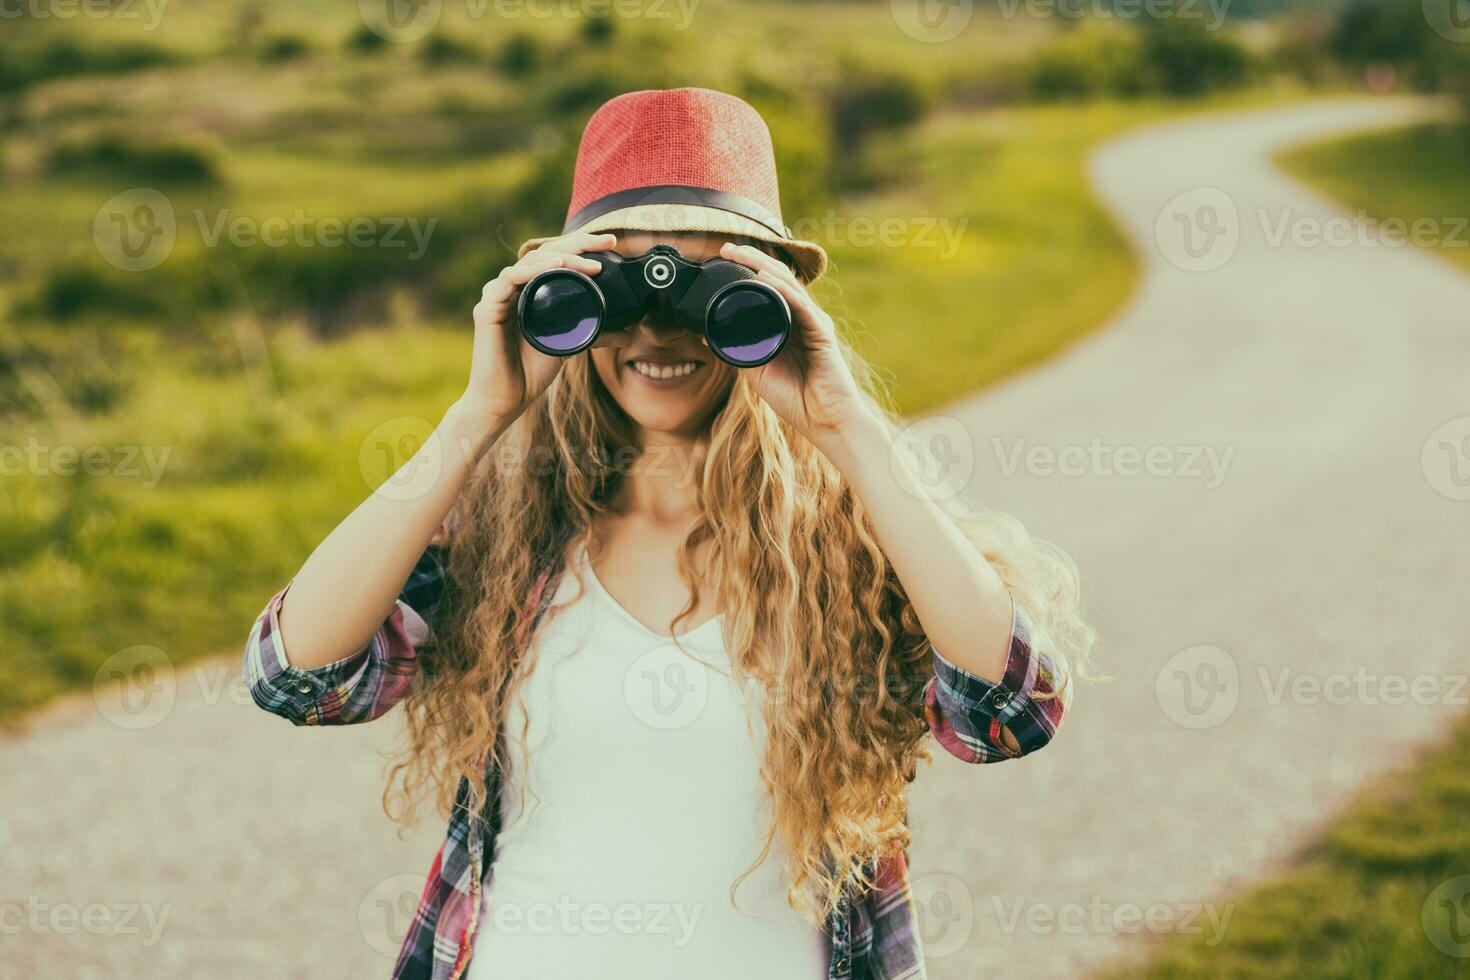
(365, 40)
(72, 289)
(1301, 47)
(1186, 58)
(21, 66)
(521, 56)
(113, 156)
(282, 48)
(866, 101)
(1393, 32)
(1089, 62)
(599, 30)
(441, 49)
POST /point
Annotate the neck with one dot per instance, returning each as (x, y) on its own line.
(662, 483)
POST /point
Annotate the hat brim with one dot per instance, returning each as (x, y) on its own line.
(809, 257)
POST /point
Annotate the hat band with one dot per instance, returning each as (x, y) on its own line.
(678, 194)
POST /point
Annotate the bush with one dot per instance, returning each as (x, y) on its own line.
(72, 289)
(443, 50)
(1301, 48)
(866, 101)
(599, 30)
(282, 48)
(1089, 62)
(521, 56)
(24, 66)
(1393, 32)
(113, 156)
(1186, 58)
(365, 40)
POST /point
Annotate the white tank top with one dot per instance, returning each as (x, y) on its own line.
(642, 805)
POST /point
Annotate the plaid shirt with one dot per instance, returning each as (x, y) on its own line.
(874, 935)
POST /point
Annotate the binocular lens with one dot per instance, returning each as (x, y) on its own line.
(562, 313)
(747, 324)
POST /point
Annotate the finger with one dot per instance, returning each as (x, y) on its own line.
(753, 258)
(578, 242)
(803, 308)
(568, 260)
(527, 269)
(498, 291)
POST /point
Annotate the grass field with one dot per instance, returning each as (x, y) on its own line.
(1407, 174)
(1384, 891)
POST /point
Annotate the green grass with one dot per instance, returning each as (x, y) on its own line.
(1033, 261)
(1408, 174)
(1365, 899)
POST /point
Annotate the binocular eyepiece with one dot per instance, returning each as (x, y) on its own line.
(745, 321)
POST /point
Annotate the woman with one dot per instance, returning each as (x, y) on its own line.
(668, 634)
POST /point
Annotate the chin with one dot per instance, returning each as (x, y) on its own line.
(673, 418)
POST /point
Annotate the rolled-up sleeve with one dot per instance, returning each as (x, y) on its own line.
(357, 688)
(969, 715)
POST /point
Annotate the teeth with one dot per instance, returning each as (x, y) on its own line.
(664, 372)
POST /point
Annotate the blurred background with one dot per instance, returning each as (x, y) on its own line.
(239, 244)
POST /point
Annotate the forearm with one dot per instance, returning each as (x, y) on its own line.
(960, 600)
(348, 586)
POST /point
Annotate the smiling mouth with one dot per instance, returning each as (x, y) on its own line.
(660, 371)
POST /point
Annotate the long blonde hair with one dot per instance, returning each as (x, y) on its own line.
(813, 615)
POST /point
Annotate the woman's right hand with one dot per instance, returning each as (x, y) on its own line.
(506, 373)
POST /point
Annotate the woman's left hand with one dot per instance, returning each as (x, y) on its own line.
(809, 383)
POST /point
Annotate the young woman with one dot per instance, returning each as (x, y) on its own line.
(670, 634)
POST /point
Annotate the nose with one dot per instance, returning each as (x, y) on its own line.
(659, 318)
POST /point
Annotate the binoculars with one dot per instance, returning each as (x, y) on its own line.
(745, 321)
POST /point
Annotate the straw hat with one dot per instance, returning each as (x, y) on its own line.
(681, 160)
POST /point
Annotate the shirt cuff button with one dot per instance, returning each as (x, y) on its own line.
(1001, 701)
(304, 687)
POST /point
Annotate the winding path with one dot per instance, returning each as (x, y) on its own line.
(1322, 554)
(1315, 374)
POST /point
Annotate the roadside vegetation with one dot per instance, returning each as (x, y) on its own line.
(1418, 174)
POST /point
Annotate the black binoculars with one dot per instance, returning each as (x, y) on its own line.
(745, 321)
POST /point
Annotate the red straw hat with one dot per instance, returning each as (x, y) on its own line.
(681, 160)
